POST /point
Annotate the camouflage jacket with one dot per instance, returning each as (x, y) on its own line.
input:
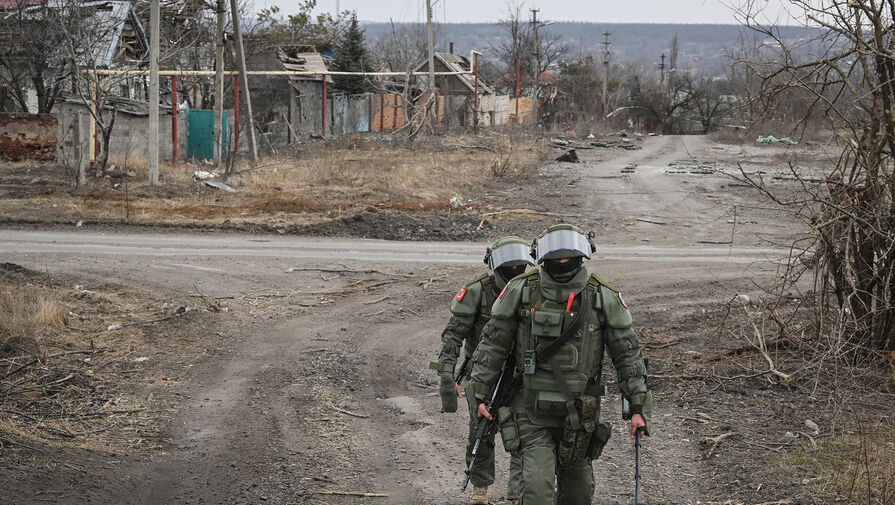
(530, 313)
(470, 309)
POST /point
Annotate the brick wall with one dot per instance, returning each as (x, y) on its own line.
(31, 136)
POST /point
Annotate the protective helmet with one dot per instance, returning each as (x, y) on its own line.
(508, 251)
(562, 241)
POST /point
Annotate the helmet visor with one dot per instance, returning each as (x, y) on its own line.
(510, 252)
(562, 240)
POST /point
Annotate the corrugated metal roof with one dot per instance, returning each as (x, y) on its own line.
(298, 59)
(458, 63)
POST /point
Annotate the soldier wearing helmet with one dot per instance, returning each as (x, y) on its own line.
(507, 258)
(552, 417)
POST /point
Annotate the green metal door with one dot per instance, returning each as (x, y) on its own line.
(200, 134)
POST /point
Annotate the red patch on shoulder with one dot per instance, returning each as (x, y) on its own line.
(460, 294)
(502, 291)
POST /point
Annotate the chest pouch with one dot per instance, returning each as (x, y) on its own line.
(546, 323)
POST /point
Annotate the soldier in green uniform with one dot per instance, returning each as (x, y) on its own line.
(471, 308)
(552, 416)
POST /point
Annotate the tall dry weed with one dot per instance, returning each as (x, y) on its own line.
(29, 316)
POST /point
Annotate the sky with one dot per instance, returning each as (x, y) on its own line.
(484, 11)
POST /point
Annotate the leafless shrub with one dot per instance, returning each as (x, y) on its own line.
(851, 245)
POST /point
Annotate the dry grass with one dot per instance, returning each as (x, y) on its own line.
(29, 316)
(319, 178)
(857, 466)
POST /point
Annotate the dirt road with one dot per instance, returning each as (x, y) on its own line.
(315, 379)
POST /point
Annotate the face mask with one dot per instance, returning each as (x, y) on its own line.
(563, 271)
(508, 272)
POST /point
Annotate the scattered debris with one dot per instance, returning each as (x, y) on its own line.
(348, 412)
(349, 493)
(715, 441)
(651, 221)
(203, 175)
(113, 327)
(218, 185)
(569, 157)
(811, 425)
(770, 139)
(528, 212)
(141, 359)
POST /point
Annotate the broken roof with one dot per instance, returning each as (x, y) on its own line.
(107, 21)
(458, 63)
(302, 59)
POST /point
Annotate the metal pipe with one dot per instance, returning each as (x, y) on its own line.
(236, 115)
(168, 73)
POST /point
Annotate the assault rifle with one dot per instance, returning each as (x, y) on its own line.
(463, 372)
(486, 428)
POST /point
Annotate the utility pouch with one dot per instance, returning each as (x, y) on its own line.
(600, 436)
(448, 395)
(575, 443)
(509, 429)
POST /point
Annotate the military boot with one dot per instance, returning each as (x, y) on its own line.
(479, 496)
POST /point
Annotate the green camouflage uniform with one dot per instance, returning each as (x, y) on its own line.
(471, 309)
(531, 312)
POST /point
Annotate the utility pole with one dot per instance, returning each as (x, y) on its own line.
(430, 40)
(240, 54)
(605, 72)
(153, 92)
(662, 70)
(536, 67)
(219, 82)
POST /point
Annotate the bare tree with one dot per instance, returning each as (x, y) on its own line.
(29, 35)
(851, 216)
(518, 41)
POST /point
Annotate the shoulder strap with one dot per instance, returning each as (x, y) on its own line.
(480, 278)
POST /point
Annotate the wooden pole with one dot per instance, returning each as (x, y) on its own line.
(536, 66)
(81, 148)
(605, 71)
(323, 128)
(240, 55)
(153, 92)
(517, 90)
(475, 119)
(91, 149)
(430, 41)
(173, 118)
(219, 83)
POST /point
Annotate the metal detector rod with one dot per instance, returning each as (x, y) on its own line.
(637, 467)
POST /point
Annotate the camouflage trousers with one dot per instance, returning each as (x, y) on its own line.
(482, 474)
(544, 482)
